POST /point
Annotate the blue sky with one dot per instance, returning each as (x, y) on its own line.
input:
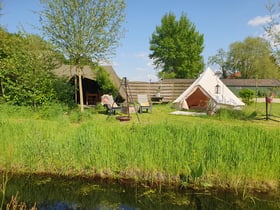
(221, 21)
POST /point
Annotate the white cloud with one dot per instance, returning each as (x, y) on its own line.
(259, 20)
(142, 55)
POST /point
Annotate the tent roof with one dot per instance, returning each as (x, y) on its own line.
(207, 82)
(70, 71)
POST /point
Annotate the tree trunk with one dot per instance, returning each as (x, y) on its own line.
(76, 88)
(81, 89)
(2, 89)
(75, 85)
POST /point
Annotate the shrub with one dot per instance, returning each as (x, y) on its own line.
(247, 95)
(103, 79)
(64, 92)
(26, 62)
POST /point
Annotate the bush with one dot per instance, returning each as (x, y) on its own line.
(247, 95)
(64, 92)
(103, 80)
(26, 64)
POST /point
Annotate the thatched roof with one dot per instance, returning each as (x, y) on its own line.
(69, 71)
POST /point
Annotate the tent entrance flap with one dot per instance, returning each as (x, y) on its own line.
(197, 100)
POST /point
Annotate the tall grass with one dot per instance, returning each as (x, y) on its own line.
(230, 150)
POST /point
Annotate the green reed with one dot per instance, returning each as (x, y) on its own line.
(228, 149)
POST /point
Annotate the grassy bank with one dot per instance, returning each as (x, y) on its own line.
(232, 148)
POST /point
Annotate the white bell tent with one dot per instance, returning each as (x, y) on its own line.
(207, 92)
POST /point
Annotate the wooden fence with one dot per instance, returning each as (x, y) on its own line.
(169, 89)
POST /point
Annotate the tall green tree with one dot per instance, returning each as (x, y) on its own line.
(83, 29)
(176, 48)
(253, 59)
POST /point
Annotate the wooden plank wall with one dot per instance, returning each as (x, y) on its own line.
(169, 89)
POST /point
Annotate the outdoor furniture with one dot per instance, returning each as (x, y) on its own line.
(108, 102)
(144, 103)
(156, 99)
(91, 98)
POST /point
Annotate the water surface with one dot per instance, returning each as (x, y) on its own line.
(61, 194)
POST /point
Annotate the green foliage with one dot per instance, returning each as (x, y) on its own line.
(26, 64)
(176, 48)
(103, 80)
(52, 111)
(83, 30)
(247, 95)
(231, 114)
(196, 172)
(221, 59)
(252, 58)
(64, 92)
(231, 150)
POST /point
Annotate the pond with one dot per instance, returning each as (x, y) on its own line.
(78, 193)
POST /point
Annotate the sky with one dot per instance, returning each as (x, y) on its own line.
(222, 22)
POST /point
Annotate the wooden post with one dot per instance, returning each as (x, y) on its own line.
(266, 108)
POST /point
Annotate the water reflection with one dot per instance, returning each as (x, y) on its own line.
(62, 194)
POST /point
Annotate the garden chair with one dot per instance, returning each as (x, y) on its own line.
(144, 103)
(110, 104)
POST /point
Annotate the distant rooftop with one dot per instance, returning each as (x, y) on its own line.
(251, 82)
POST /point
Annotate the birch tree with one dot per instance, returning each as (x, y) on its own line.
(83, 30)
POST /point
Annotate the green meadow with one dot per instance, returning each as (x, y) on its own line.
(233, 149)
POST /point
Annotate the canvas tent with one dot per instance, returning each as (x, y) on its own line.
(207, 90)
